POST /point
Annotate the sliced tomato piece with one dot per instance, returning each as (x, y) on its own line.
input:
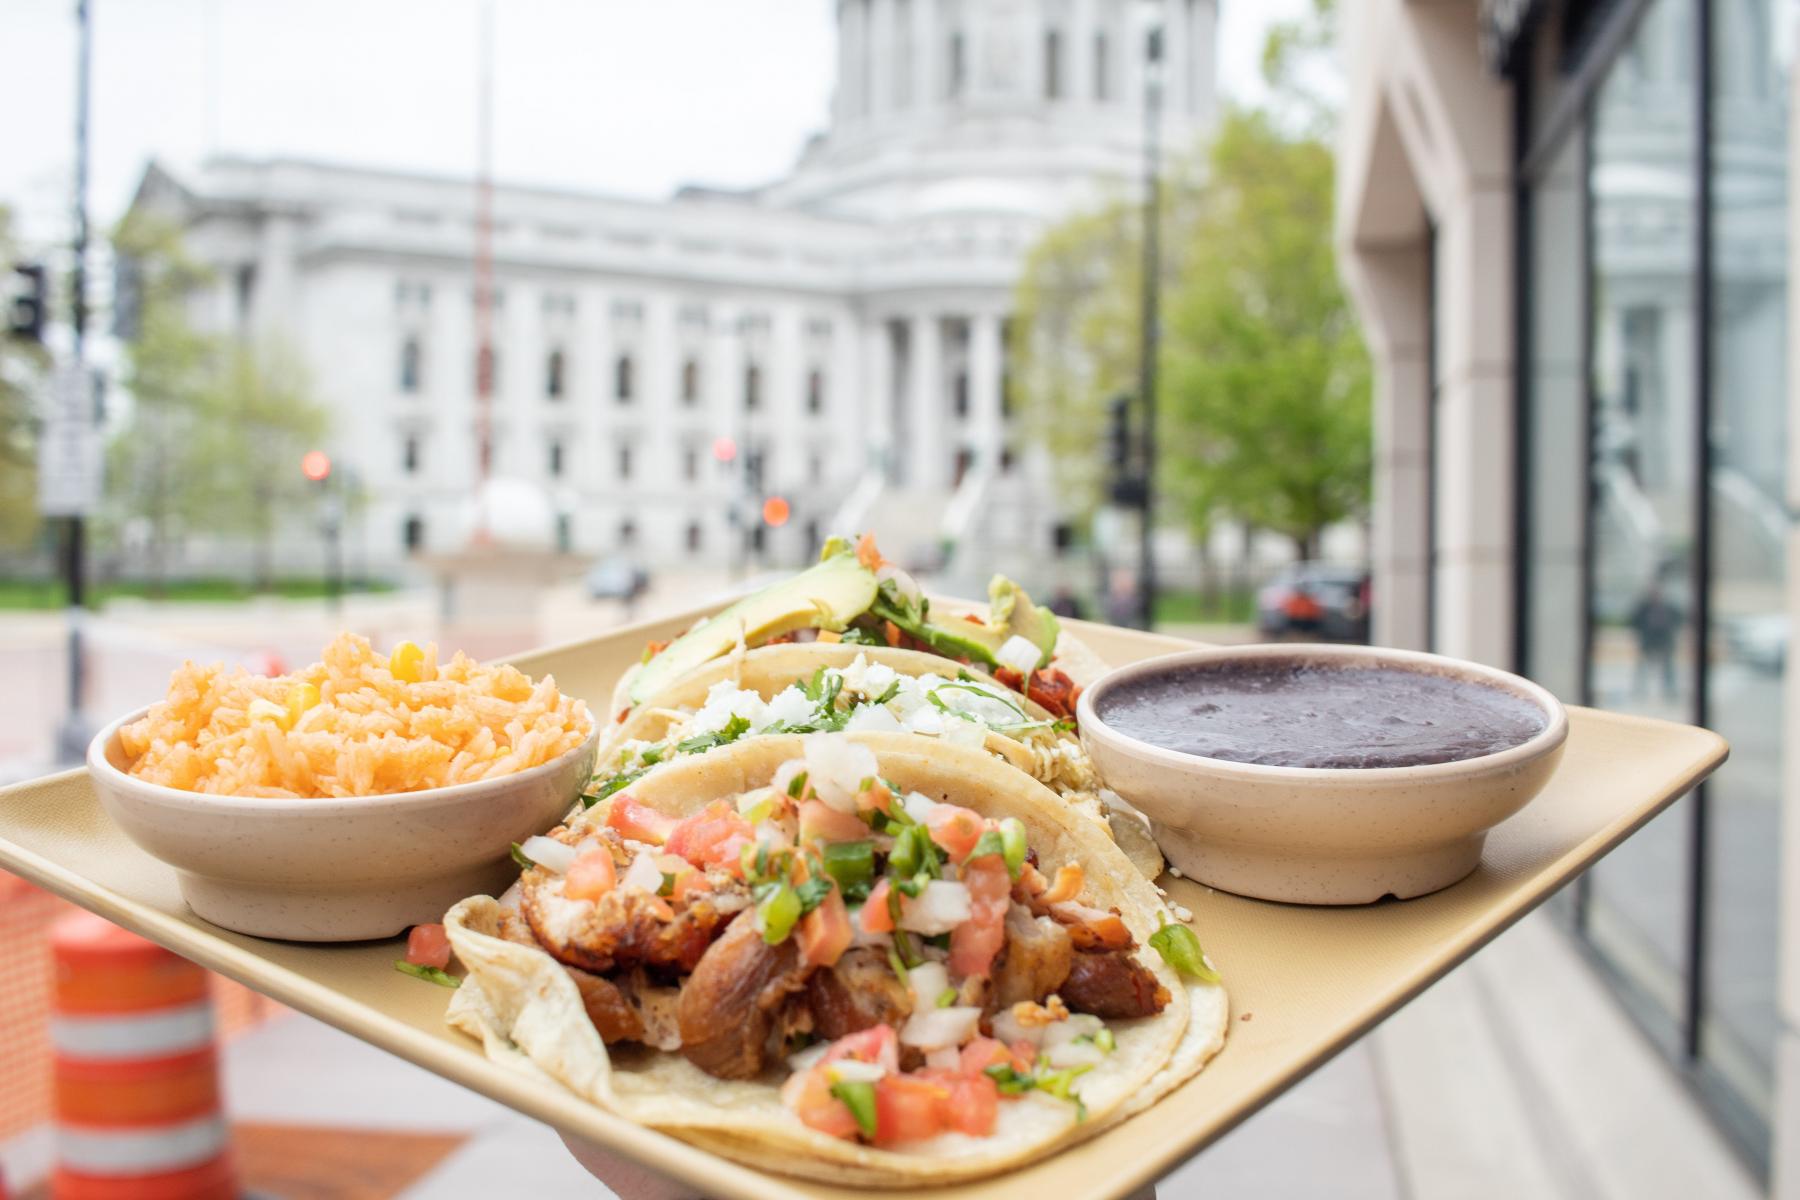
(875, 799)
(702, 838)
(428, 946)
(807, 1094)
(875, 917)
(876, 1044)
(639, 822)
(956, 829)
(975, 942)
(1024, 1056)
(973, 1105)
(689, 883)
(592, 876)
(982, 1053)
(819, 822)
(909, 1108)
(824, 933)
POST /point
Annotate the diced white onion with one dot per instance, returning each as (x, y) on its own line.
(872, 718)
(965, 733)
(862, 937)
(836, 767)
(643, 873)
(907, 585)
(800, 1060)
(549, 854)
(939, 908)
(1074, 1054)
(918, 806)
(927, 981)
(850, 1070)
(1021, 654)
(1008, 1029)
(944, 1058)
(1071, 1027)
(937, 1027)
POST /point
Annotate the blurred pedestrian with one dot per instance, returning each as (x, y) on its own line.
(1122, 597)
(1064, 602)
(1656, 620)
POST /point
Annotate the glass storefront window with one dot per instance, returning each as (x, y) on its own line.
(1642, 584)
(1747, 644)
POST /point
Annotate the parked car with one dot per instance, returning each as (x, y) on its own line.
(1759, 640)
(1315, 600)
(616, 578)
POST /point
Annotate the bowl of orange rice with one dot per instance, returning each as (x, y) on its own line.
(347, 800)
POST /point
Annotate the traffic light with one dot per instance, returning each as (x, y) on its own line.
(316, 465)
(31, 305)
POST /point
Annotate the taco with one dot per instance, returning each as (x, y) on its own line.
(865, 689)
(867, 958)
(852, 595)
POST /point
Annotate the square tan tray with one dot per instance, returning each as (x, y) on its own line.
(1304, 982)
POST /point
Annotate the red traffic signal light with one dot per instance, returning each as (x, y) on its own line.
(724, 449)
(316, 465)
(775, 512)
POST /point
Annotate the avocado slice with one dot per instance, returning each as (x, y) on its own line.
(958, 637)
(827, 595)
(1015, 614)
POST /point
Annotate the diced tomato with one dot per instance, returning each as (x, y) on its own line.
(819, 822)
(973, 1105)
(592, 876)
(1007, 677)
(639, 822)
(807, 1094)
(867, 554)
(825, 932)
(1024, 1056)
(875, 799)
(875, 917)
(955, 829)
(876, 1044)
(689, 883)
(975, 942)
(701, 838)
(428, 946)
(1096, 928)
(1055, 691)
(730, 853)
(909, 1108)
(982, 1053)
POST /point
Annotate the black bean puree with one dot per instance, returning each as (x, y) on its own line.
(1289, 713)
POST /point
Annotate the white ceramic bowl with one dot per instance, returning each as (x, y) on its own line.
(336, 870)
(1323, 835)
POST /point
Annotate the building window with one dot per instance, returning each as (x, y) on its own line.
(1053, 65)
(624, 460)
(957, 67)
(752, 388)
(411, 361)
(627, 532)
(553, 375)
(1006, 460)
(815, 391)
(960, 393)
(622, 380)
(694, 537)
(556, 458)
(565, 533)
(409, 454)
(412, 534)
(815, 468)
(690, 382)
(690, 464)
(1102, 67)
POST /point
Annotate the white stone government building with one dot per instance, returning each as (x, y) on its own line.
(845, 324)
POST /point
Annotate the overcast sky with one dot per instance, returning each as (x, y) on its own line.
(618, 96)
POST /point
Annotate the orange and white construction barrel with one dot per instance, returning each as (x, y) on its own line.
(138, 1114)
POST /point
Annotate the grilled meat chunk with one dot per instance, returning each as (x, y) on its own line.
(607, 1007)
(728, 1006)
(858, 992)
(626, 927)
(1034, 962)
(1112, 984)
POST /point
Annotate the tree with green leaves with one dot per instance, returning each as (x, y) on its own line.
(1264, 413)
(22, 375)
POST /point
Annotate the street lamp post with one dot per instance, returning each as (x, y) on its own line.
(1151, 334)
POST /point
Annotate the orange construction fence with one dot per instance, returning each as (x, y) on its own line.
(27, 990)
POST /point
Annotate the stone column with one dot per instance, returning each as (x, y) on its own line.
(929, 451)
(852, 60)
(882, 46)
(1176, 66)
(877, 389)
(1203, 62)
(926, 89)
(1078, 52)
(986, 432)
